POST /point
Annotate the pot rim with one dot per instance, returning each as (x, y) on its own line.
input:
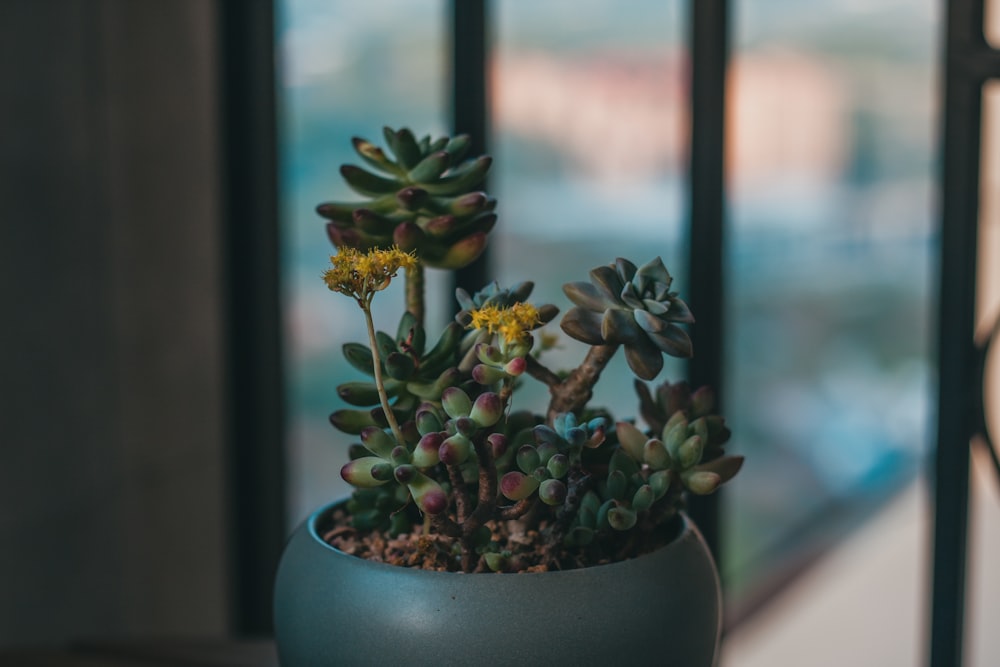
(688, 532)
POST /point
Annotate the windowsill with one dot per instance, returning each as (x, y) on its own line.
(865, 602)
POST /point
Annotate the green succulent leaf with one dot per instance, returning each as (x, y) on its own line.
(725, 467)
(644, 358)
(366, 183)
(352, 421)
(487, 410)
(586, 296)
(619, 326)
(702, 482)
(617, 485)
(655, 455)
(360, 357)
(552, 492)
(622, 518)
(660, 481)
(528, 459)
(607, 281)
(673, 341)
(690, 451)
(375, 156)
(631, 439)
(378, 442)
(404, 146)
(399, 366)
(515, 485)
(368, 472)
(456, 402)
(427, 494)
(643, 498)
(495, 561)
(426, 453)
(429, 168)
(583, 325)
(363, 394)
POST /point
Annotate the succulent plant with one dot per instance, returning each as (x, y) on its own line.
(623, 305)
(440, 442)
(422, 199)
(412, 373)
(545, 466)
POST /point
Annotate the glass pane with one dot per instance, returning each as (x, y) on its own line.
(347, 68)
(831, 258)
(589, 112)
(984, 514)
(992, 22)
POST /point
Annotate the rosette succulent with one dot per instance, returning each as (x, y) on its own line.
(634, 308)
(421, 199)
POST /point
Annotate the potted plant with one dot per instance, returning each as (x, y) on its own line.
(477, 531)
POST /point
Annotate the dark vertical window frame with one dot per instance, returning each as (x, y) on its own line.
(969, 62)
(470, 32)
(255, 385)
(709, 49)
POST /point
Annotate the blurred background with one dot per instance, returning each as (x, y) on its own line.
(125, 245)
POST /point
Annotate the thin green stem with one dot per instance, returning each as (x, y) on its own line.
(383, 398)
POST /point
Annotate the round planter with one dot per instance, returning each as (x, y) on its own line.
(332, 608)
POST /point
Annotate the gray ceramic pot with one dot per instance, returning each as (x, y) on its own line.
(335, 609)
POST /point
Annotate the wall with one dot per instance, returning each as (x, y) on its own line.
(112, 400)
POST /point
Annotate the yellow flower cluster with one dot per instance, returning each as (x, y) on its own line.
(513, 324)
(361, 274)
